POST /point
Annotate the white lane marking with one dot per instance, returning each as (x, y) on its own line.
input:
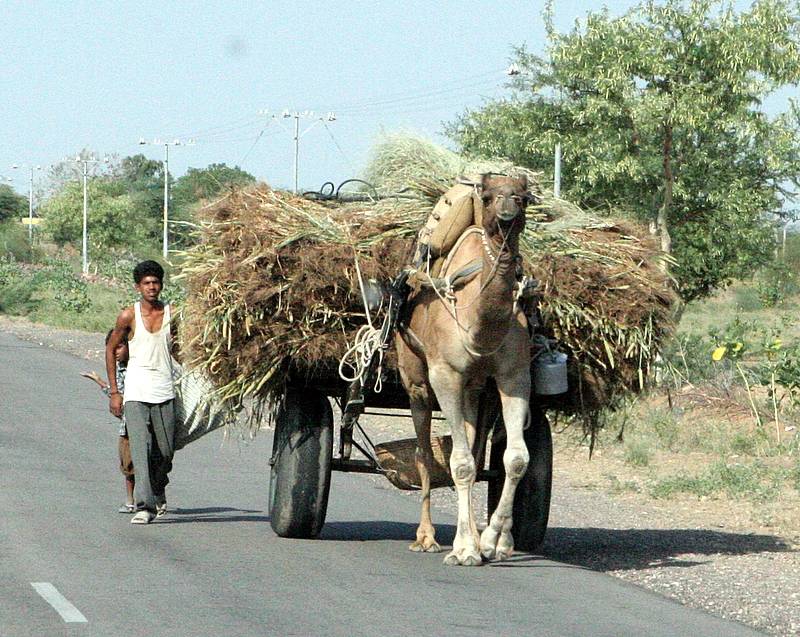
(51, 595)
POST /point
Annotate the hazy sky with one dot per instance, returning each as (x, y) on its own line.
(102, 75)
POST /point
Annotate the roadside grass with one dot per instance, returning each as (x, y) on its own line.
(104, 304)
(49, 289)
(754, 480)
(51, 292)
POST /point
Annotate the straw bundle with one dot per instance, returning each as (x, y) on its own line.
(272, 284)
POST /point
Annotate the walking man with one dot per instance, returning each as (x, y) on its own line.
(149, 393)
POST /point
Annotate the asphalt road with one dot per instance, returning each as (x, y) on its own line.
(214, 567)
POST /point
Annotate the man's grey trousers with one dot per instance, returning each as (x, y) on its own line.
(151, 431)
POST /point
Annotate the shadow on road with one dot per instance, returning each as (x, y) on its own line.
(381, 530)
(621, 549)
(212, 514)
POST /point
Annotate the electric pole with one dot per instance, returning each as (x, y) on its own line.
(297, 135)
(158, 142)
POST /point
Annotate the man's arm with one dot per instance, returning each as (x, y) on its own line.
(121, 330)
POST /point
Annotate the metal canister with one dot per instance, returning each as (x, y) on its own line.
(550, 374)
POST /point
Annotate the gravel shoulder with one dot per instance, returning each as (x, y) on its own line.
(706, 554)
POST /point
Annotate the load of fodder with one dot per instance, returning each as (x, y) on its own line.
(273, 290)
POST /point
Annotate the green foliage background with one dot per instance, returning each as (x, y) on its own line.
(659, 115)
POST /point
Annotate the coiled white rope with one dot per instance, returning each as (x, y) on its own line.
(367, 342)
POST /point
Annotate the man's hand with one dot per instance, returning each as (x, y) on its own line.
(115, 404)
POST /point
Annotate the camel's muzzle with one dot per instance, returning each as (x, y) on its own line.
(508, 208)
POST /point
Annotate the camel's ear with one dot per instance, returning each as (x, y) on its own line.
(523, 180)
(485, 179)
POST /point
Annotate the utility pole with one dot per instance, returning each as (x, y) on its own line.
(166, 144)
(297, 135)
(85, 161)
(30, 199)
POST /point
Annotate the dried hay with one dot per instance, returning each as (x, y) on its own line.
(271, 283)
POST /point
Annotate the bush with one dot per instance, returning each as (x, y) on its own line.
(637, 453)
(775, 283)
(16, 288)
(14, 243)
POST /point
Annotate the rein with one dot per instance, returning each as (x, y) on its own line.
(449, 300)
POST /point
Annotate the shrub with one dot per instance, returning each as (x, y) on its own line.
(14, 243)
(775, 283)
(637, 453)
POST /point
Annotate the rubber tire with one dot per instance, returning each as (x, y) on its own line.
(300, 477)
(532, 498)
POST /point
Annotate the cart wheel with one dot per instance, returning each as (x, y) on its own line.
(300, 475)
(532, 498)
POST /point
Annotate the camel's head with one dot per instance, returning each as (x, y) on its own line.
(504, 199)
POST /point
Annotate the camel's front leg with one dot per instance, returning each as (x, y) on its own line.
(496, 539)
(449, 389)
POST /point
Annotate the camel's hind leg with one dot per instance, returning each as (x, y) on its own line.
(412, 372)
(496, 539)
(421, 414)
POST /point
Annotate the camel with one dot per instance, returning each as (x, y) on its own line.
(451, 342)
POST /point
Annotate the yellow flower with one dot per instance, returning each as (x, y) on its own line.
(719, 353)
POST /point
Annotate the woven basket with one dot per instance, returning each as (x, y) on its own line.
(396, 458)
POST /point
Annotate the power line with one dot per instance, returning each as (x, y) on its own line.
(442, 87)
(255, 142)
(346, 158)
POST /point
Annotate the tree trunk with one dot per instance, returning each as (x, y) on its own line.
(662, 220)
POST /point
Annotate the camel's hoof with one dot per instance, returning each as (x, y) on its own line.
(465, 559)
(496, 546)
(426, 546)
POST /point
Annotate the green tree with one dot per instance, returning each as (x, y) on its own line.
(144, 181)
(113, 219)
(659, 114)
(200, 184)
(11, 204)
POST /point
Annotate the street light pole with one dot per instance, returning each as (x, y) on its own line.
(512, 71)
(31, 168)
(166, 200)
(296, 150)
(30, 206)
(85, 231)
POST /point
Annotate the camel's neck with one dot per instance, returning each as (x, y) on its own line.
(498, 278)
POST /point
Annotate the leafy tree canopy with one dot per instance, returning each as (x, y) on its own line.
(113, 220)
(203, 183)
(11, 204)
(659, 115)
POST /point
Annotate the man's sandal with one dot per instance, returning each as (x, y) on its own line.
(143, 517)
(127, 508)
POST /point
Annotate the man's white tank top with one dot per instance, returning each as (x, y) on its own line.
(149, 375)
